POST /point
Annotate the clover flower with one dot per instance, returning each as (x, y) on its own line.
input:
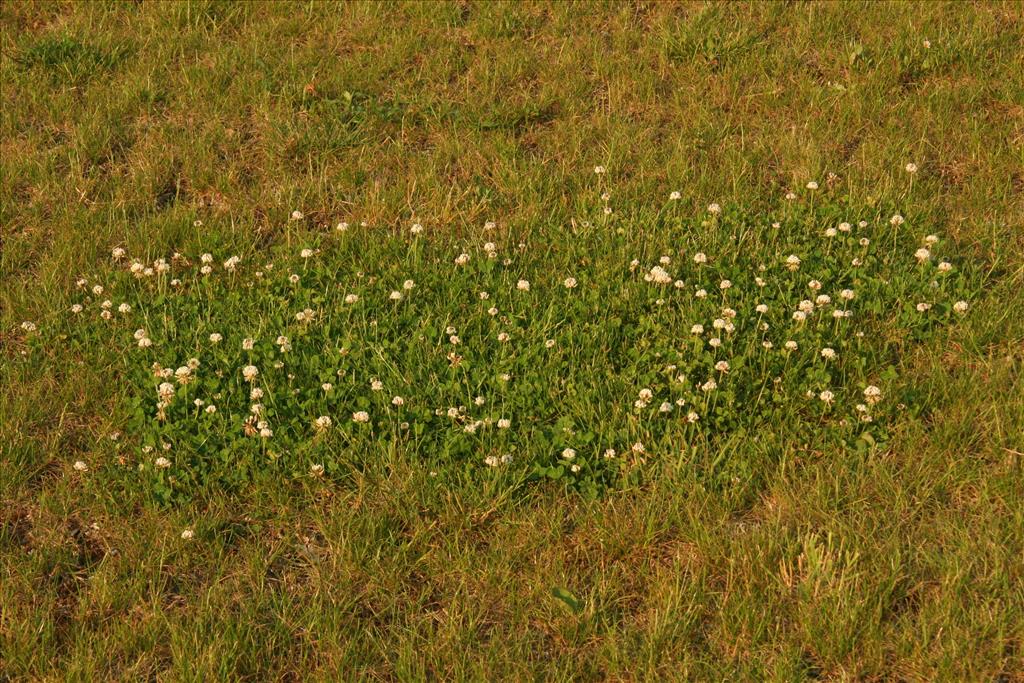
(960, 307)
(361, 416)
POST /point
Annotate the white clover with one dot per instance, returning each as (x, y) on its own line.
(872, 394)
(416, 229)
(812, 185)
(828, 353)
(523, 285)
(791, 345)
(361, 416)
(187, 535)
(714, 209)
(700, 257)
(249, 372)
(216, 338)
(674, 195)
(504, 423)
(792, 262)
(570, 282)
(761, 308)
(351, 298)
(722, 366)
(826, 397)
(398, 401)
(960, 307)
(322, 423)
(462, 259)
(80, 466)
(162, 463)
(697, 329)
(568, 453)
(911, 167)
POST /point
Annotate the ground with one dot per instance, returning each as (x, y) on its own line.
(126, 123)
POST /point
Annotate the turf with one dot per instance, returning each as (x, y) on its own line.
(200, 126)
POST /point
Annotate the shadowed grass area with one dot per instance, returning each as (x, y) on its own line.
(200, 126)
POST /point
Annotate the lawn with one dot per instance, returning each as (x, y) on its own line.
(511, 341)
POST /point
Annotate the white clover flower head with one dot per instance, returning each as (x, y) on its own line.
(351, 298)
(847, 294)
(492, 461)
(872, 394)
(658, 275)
(792, 262)
(117, 253)
(249, 372)
(911, 167)
(826, 397)
(550, 343)
(831, 232)
(398, 401)
(697, 329)
(714, 209)
(568, 453)
(162, 463)
(504, 423)
(76, 308)
(80, 466)
(709, 386)
(674, 195)
(323, 422)
(395, 295)
(638, 448)
(306, 253)
(700, 257)
(210, 409)
(492, 311)
(799, 316)
(692, 417)
(845, 227)
(462, 259)
(701, 294)
(761, 308)
(454, 340)
(725, 284)
(791, 345)
(814, 284)
(187, 535)
(599, 170)
(297, 215)
(341, 227)
(416, 229)
(523, 285)
(812, 185)
(316, 470)
(923, 307)
(361, 416)
(503, 337)
(945, 267)
(828, 353)
(722, 366)
(216, 338)
(408, 284)
(570, 282)
(376, 385)
(714, 342)
(931, 240)
(609, 453)
(806, 306)
(960, 307)
(823, 300)
(896, 220)
(790, 196)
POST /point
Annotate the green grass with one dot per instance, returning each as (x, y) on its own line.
(768, 544)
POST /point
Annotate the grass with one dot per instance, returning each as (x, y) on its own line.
(125, 124)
